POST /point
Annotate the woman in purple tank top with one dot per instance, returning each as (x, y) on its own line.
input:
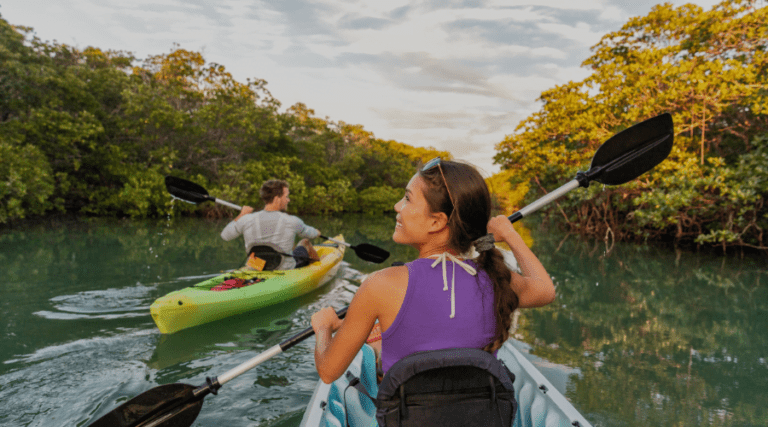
(444, 298)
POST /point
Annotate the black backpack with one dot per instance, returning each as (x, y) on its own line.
(452, 387)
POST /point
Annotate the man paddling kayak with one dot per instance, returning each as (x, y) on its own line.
(273, 227)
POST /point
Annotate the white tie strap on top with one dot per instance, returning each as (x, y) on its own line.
(468, 268)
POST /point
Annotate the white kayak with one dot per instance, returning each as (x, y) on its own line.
(539, 403)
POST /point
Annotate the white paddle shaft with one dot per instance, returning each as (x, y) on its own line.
(337, 241)
(226, 203)
(250, 364)
(550, 197)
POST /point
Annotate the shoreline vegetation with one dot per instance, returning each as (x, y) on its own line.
(709, 70)
(93, 133)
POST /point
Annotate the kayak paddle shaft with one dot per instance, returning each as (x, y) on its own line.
(270, 353)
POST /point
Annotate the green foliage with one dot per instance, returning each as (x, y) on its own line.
(142, 195)
(25, 181)
(707, 68)
(375, 200)
(332, 197)
(696, 194)
(507, 194)
(96, 131)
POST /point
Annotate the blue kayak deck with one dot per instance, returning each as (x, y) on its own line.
(540, 403)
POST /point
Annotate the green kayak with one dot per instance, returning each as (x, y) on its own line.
(241, 291)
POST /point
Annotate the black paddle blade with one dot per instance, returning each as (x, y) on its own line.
(633, 151)
(170, 405)
(371, 253)
(186, 190)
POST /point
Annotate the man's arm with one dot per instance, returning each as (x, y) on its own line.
(245, 210)
(307, 231)
(233, 229)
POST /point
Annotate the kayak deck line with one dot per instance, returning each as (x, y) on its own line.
(539, 402)
(201, 303)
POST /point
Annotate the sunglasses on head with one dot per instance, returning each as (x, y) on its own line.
(432, 163)
(436, 162)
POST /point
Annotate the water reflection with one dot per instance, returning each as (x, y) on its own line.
(662, 337)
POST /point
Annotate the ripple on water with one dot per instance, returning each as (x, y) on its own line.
(67, 384)
(131, 301)
(80, 347)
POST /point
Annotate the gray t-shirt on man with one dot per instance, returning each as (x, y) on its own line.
(275, 227)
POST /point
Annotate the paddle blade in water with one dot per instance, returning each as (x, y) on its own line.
(186, 190)
(633, 151)
(371, 253)
(170, 405)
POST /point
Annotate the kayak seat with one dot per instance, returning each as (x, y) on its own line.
(451, 387)
(269, 254)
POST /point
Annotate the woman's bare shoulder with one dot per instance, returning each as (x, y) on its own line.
(385, 291)
(386, 278)
(388, 274)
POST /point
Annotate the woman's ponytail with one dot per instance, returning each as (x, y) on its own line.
(505, 299)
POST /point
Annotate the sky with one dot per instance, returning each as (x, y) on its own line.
(452, 75)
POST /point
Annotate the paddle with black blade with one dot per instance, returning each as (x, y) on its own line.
(622, 158)
(371, 253)
(177, 405)
(190, 192)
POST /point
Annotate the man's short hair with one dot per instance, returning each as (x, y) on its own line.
(271, 189)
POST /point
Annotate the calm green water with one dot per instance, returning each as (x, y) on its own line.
(637, 336)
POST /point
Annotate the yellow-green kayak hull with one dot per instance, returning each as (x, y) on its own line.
(198, 304)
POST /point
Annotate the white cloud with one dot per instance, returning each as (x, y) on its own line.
(612, 13)
(556, 4)
(581, 32)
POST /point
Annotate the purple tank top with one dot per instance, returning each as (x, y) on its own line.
(424, 323)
